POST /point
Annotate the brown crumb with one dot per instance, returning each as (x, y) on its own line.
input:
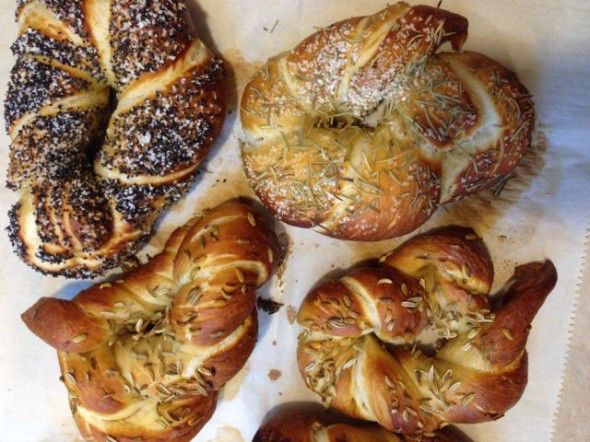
(291, 314)
(268, 305)
(274, 342)
(274, 374)
(285, 243)
(284, 240)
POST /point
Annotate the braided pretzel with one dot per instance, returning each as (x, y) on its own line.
(299, 427)
(362, 130)
(352, 351)
(76, 218)
(143, 357)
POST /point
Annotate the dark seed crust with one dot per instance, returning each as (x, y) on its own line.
(72, 161)
(33, 42)
(137, 25)
(136, 203)
(53, 148)
(34, 84)
(168, 133)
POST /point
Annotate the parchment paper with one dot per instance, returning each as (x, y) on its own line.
(543, 213)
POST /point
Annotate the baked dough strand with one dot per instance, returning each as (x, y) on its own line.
(144, 356)
(360, 350)
(363, 129)
(92, 186)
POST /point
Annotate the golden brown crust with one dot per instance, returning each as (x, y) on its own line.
(202, 409)
(520, 305)
(362, 131)
(85, 207)
(145, 355)
(336, 307)
(286, 428)
(306, 427)
(58, 322)
(479, 369)
(451, 250)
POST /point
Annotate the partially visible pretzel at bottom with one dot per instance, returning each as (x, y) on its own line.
(305, 427)
(143, 357)
(358, 350)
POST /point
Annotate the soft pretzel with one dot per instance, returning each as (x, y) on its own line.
(144, 356)
(88, 198)
(355, 350)
(304, 427)
(362, 131)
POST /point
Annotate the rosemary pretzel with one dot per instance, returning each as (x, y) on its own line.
(360, 348)
(144, 357)
(363, 130)
(89, 199)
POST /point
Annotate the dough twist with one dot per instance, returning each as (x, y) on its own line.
(304, 427)
(89, 196)
(144, 357)
(355, 351)
(362, 130)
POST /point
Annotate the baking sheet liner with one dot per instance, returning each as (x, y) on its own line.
(543, 213)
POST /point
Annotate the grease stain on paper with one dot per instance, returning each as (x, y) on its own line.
(240, 72)
(228, 434)
(291, 314)
(232, 387)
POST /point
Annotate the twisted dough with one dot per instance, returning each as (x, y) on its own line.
(362, 131)
(351, 352)
(77, 216)
(143, 357)
(299, 427)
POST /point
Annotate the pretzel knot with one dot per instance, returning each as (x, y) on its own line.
(363, 129)
(90, 191)
(359, 348)
(299, 426)
(144, 356)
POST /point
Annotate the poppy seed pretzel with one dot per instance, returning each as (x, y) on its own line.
(144, 357)
(127, 67)
(352, 351)
(305, 427)
(363, 130)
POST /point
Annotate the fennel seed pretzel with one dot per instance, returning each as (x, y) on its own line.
(144, 357)
(359, 347)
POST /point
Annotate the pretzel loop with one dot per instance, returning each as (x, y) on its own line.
(144, 356)
(360, 350)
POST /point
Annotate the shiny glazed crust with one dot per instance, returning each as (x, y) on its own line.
(143, 357)
(363, 130)
(360, 348)
(91, 185)
(301, 427)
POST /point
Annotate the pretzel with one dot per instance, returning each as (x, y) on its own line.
(363, 130)
(305, 427)
(143, 357)
(111, 107)
(361, 347)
